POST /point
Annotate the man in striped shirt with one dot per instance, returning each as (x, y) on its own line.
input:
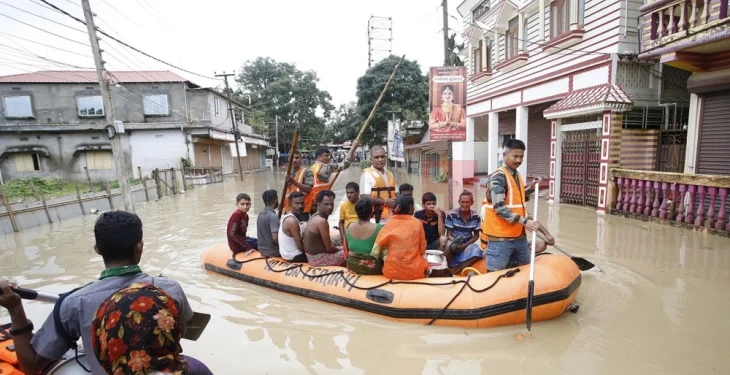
(462, 232)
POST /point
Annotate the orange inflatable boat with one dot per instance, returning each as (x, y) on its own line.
(477, 301)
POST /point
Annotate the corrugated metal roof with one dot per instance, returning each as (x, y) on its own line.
(89, 76)
(605, 95)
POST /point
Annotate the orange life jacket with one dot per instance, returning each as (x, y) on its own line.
(299, 177)
(318, 186)
(8, 359)
(380, 189)
(495, 226)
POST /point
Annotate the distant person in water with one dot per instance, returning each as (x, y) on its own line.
(318, 244)
(291, 243)
(238, 242)
(267, 225)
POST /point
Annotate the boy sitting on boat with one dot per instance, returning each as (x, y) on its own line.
(318, 245)
(434, 222)
(238, 225)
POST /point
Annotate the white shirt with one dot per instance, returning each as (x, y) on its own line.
(287, 245)
(367, 181)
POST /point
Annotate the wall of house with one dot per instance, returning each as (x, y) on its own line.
(61, 164)
(57, 103)
(201, 103)
(157, 149)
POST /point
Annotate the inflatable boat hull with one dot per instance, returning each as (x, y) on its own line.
(487, 300)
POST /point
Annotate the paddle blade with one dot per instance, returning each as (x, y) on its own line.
(195, 327)
(583, 264)
(530, 295)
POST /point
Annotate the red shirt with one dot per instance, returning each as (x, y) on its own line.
(236, 232)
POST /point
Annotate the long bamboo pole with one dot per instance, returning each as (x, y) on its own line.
(356, 143)
(293, 149)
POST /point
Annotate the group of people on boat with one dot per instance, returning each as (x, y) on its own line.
(128, 321)
(381, 231)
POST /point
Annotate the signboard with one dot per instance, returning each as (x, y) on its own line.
(447, 103)
(396, 149)
(241, 149)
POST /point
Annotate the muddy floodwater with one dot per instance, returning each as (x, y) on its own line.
(660, 305)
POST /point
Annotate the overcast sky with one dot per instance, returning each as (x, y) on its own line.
(207, 36)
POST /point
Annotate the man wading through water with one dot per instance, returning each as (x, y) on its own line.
(378, 185)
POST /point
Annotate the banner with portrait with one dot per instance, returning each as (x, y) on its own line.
(396, 148)
(447, 103)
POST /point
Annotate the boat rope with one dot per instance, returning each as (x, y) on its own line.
(341, 274)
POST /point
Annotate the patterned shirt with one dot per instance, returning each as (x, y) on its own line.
(459, 227)
(497, 184)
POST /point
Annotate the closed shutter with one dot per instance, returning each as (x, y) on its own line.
(538, 146)
(713, 150)
(98, 160)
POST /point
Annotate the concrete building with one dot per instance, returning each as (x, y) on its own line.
(563, 76)
(53, 124)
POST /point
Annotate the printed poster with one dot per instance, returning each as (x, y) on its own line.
(447, 103)
(396, 148)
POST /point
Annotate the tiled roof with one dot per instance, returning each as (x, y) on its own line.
(86, 76)
(592, 99)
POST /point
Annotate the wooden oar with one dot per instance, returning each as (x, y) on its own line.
(531, 283)
(583, 264)
(356, 143)
(193, 329)
(294, 143)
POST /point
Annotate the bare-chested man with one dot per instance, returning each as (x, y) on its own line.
(317, 242)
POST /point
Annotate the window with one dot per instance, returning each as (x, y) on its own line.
(217, 105)
(98, 160)
(512, 38)
(91, 105)
(525, 36)
(156, 105)
(581, 11)
(559, 18)
(27, 162)
(477, 58)
(18, 106)
(480, 10)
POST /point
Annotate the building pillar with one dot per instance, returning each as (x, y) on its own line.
(521, 33)
(693, 126)
(603, 173)
(573, 14)
(521, 134)
(493, 142)
(463, 161)
(555, 161)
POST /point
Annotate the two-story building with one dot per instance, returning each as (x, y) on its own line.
(52, 124)
(562, 76)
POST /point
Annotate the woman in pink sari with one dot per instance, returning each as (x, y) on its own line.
(449, 114)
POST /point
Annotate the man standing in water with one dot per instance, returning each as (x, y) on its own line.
(378, 185)
(317, 177)
(296, 181)
(505, 215)
(318, 245)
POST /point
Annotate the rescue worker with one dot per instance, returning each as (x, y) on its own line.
(504, 214)
(317, 177)
(377, 184)
(296, 181)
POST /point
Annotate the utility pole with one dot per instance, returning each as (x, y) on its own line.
(234, 126)
(449, 150)
(276, 152)
(120, 162)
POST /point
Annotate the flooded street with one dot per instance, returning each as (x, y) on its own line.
(660, 304)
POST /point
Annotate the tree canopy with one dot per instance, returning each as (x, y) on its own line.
(344, 123)
(281, 89)
(407, 95)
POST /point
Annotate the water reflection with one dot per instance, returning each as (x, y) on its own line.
(658, 306)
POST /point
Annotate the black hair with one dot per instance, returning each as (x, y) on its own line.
(406, 187)
(321, 150)
(117, 233)
(352, 185)
(297, 152)
(428, 197)
(403, 205)
(295, 195)
(364, 209)
(243, 196)
(450, 87)
(468, 193)
(269, 197)
(325, 193)
(514, 144)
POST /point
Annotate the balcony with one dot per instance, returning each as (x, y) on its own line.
(685, 200)
(684, 33)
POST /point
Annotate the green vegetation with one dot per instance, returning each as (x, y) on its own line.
(19, 189)
(364, 164)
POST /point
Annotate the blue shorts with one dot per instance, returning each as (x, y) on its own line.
(500, 254)
(472, 251)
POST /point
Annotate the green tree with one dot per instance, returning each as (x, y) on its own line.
(344, 124)
(279, 89)
(454, 49)
(407, 94)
